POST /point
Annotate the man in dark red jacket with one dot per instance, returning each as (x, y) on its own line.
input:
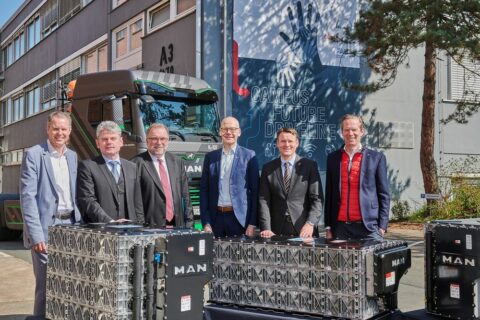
(357, 198)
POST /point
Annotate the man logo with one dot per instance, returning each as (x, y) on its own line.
(458, 261)
(189, 269)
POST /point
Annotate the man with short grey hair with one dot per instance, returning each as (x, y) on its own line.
(164, 182)
(108, 187)
(47, 196)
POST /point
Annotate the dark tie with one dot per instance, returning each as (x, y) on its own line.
(166, 189)
(115, 166)
(286, 177)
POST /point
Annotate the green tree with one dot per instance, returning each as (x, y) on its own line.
(387, 30)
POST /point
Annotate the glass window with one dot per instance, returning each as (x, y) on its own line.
(121, 46)
(184, 5)
(136, 34)
(22, 43)
(91, 62)
(30, 102)
(159, 15)
(102, 59)
(116, 3)
(17, 48)
(37, 30)
(30, 35)
(10, 54)
(36, 106)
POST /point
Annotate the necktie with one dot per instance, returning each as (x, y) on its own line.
(115, 166)
(286, 177)
(166, 189)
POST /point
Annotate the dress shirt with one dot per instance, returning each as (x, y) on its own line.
(62, 178)
(224, 197)
(156, 161)
(290, 162)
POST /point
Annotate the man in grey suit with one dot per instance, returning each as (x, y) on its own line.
(164, 182)
(108, 187)
(47, 196)
(290, 192)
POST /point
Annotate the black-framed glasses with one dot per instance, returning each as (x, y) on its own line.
(224, 130)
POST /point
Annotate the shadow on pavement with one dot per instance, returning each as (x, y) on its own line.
(14, 317)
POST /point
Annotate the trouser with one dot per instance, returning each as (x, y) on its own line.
(227, 225)
(355, 231)
(288, 229)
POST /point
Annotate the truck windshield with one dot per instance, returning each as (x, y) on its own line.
(185, 119)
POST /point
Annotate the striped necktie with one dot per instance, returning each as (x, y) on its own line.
(286, 177)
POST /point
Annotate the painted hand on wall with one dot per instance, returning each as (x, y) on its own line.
(303, 44)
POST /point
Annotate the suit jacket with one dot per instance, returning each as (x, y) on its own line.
(374, 190)
(243, 186)
(303, 201)
(96, 191)
(38, 197)
(153, 195)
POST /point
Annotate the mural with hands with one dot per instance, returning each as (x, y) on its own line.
(288, 72)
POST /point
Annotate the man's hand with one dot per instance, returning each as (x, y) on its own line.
(328, 234)
(40, 247)
(208, 228)
(381, 232)
(266, 234)
(250, 232)
(307, 231)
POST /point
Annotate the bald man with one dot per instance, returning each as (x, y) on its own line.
(229, 186)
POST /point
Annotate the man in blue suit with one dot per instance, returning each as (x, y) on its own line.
(229, 186)
(357, 198)
(47, 196)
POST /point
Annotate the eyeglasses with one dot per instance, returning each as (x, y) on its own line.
(224, 130)
(156, 139)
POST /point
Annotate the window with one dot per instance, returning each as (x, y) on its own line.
(159, 15)
(127, 51)
(184, 5)
(464, 83)
(121, 46)
(96, 60)
(136, 34)
(33, 33)
(10, 54)
(18, 108)
(49, 14)
(117, 3)
(68, 8)
(33, 101)
(168, 11)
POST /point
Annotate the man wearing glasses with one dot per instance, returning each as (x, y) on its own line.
(164, 182)
(229, 186)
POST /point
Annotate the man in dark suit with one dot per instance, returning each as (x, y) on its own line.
(108, 187)
(357, 200)
(229, 186)
(164, 182)
(290, 196)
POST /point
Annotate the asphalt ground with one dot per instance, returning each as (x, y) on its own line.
(17, 280)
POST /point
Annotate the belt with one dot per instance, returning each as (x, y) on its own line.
(64, 215)
(224, 209)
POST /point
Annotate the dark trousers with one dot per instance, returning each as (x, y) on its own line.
(355, 231)
(227, 225)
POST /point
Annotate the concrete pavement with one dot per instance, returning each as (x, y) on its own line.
(16, 287)
(17, 280)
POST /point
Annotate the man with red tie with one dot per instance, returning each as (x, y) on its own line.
(163, 181)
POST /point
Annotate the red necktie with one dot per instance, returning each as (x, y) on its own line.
(166, 189)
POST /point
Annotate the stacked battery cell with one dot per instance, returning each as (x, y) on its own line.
(346, 279)
(110, 272)
(452, 273)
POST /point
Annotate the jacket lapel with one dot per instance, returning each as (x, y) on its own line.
(71, 168)
(108, 176)
(363, 165)
(278, 173)
(297, 167)
(49, 168)
(152, 171)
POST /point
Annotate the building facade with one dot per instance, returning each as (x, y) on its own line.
(48, 43)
